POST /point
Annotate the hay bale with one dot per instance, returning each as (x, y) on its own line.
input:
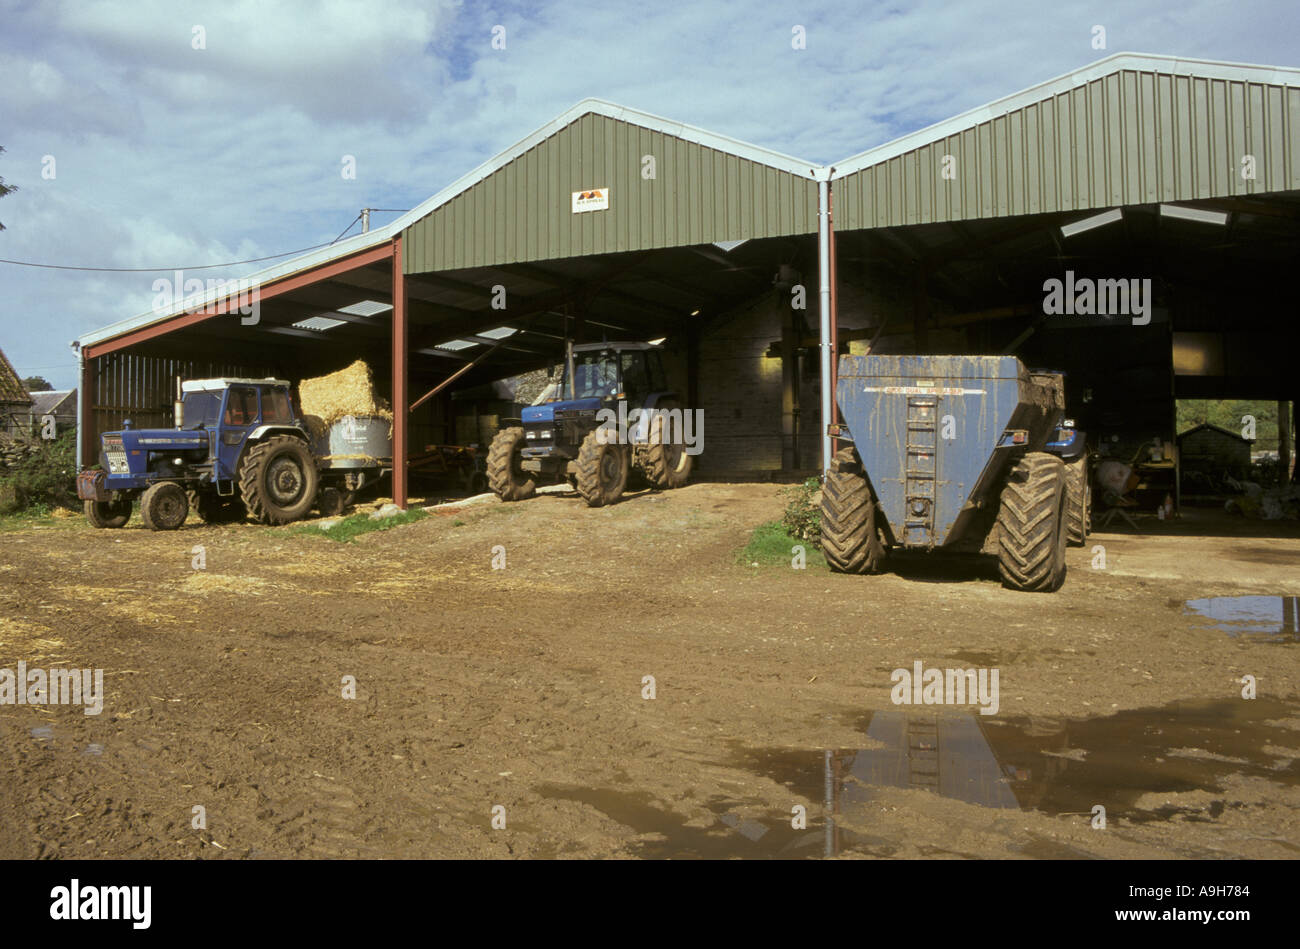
(349, 391)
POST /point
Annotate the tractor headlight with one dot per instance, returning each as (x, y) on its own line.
(530, 434)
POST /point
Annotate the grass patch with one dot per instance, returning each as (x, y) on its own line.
(27, 517)
(40, 515)
(355, 525)
(771, 545)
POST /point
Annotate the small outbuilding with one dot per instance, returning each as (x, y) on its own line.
(1211, 447)
(15, 403)
(59, 403)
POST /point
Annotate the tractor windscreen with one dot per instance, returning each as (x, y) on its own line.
(595, 375)
(202, 409)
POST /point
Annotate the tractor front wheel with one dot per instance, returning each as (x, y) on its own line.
(602, 469)
(103, 514)
(505, 473)
(1032, 525)
(164, 506)
(279, 480)
(850, 536)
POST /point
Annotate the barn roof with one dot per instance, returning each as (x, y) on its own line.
(1216, 428)
(46, 403)
(1133, 128)
(736, 190)
(11, 387)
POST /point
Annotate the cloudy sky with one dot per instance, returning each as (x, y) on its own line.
(132, 148)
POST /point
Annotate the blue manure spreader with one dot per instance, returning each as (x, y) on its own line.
(955, 453)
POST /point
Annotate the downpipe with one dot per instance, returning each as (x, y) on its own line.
(824, 276)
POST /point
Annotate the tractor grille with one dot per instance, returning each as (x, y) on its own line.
(115, 455)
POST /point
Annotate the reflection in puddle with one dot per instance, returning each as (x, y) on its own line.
(1050, 766)
(1053, 767)
(1274, 616)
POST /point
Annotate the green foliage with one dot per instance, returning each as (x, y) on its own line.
(803, 516)
(37, 384)
(46, 478)
(770, 544)
(1227, 414)
(353, 526)
(32, 516)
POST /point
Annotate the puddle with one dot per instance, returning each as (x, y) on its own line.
(1057, 767)
(93, 750)
(1274, 617)
(1124, 762)
(42, 733)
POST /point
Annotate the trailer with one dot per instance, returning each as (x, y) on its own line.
(956, 453)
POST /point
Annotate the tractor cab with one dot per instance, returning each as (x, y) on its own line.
(231, 412)
(612, 371)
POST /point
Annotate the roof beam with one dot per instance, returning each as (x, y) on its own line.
(230, 303)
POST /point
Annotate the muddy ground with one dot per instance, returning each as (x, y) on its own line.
(523, 688)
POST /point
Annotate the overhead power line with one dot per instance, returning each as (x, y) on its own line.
(231, 263)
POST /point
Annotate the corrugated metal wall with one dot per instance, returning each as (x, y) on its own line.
(523, 212)
(1132, 137)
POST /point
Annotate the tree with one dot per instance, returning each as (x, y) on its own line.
(37, 384)
(4, 188)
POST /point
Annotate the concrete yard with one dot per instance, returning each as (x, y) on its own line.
(523, 688)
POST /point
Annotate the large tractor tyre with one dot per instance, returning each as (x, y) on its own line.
(506, 476)
(212, 508)
(278, 480)
(1032, 525)
(111, 514)
(602, 469)
(164, 506)
(667, 465)
(850, 535)
(1078, 501)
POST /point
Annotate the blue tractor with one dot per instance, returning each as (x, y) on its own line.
(239, 448)
(955, 453)
(616, 416)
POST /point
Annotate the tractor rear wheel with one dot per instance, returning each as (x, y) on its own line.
(163, 506)
(505, 473)
(212, 508)
(278, 480)
(1078, 502)
(850, 535)
(108, 513)
(667, 465)
(1032, 525)
(602, 469)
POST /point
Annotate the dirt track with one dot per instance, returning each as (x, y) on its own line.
(522, 687)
